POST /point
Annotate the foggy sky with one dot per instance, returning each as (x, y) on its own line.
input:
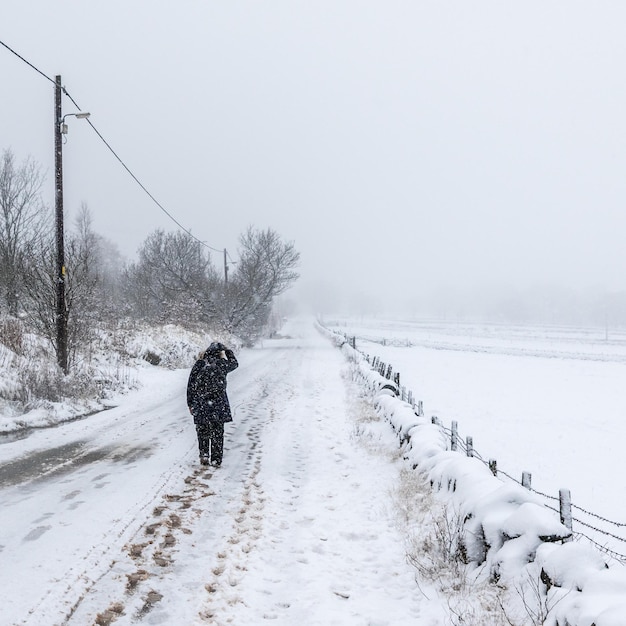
(404, 147)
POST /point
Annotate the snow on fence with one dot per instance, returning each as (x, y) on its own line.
(507, 526)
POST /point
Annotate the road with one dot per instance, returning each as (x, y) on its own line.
(111, 519)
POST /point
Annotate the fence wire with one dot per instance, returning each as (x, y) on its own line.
(386, 370)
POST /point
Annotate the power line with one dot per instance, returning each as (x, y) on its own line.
(19, 56)
(106, 143)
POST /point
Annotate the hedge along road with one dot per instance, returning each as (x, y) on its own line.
(111, 518)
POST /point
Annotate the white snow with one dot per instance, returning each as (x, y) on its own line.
(532, 396)
(113, 512)
(316, 516)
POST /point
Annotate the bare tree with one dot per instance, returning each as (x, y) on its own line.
(83, 259)
(111, 302)
(85, 299)
(265, 269)
(21, 219)
(39, 284)
(171, 279)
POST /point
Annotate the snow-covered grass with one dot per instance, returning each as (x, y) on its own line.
(34, 393)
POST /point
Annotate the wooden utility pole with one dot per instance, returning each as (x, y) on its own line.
(225, 269)
(61, 311)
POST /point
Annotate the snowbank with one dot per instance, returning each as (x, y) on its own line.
(505, 528)
(113, 367)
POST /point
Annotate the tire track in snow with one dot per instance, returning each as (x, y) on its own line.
(96, 562)
(175, 529)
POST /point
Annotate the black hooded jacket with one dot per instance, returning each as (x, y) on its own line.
(206, 388)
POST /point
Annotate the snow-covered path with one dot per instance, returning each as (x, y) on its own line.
(297, 526)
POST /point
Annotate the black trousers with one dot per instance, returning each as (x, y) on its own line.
(211, 440)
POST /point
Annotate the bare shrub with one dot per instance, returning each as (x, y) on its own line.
(367, 427)
(12, 334)
(464, 611)
(39, 380)
(535, 601)
(434, 529)
(437, 553)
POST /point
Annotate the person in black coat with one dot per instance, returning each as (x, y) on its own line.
(208, 402)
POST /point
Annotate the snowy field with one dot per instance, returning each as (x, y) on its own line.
(547, 400)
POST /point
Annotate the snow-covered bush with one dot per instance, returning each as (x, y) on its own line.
(34, 391)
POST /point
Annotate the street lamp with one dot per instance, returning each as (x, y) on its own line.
(60, 128)
(79, 116)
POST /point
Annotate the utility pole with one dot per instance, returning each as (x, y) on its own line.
(61, 311)
(225, 269)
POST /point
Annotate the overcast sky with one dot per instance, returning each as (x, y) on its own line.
(402, 146)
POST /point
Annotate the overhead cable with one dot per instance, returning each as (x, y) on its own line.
(106, 143)
(19, 56)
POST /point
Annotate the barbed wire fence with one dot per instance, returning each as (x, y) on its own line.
(593, 524)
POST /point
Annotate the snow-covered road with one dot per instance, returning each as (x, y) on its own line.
(110, 519)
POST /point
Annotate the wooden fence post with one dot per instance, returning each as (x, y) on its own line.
(526, 479)
(469, 442)
(565, 501)
(354, 342)
(420, 408)
(455, 436)
(493, 466)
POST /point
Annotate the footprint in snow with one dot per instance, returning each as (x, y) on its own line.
(150, 600)
(135, 578)
(110, 615)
